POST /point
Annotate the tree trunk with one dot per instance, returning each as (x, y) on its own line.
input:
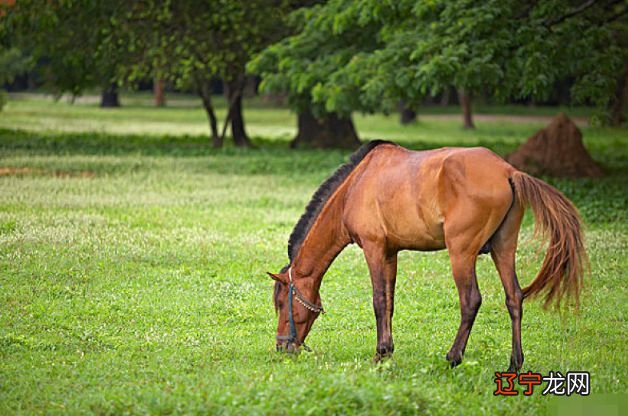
(240, 137)
(159, 93)
(329, 131)
(618, 101)
(234, 91)
(465, 103)
(407, 115)
(109, 97)
(250, 86)
(444, 99)
(204, 91)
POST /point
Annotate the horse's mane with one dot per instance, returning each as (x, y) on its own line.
(322, 195)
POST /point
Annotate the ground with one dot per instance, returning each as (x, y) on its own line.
(133, 260)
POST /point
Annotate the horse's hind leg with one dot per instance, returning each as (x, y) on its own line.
(463, 267)
(467, 228)
(504, 247)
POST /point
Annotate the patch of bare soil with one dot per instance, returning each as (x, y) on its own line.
(14, 171)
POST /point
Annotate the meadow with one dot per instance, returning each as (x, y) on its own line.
(133, 263)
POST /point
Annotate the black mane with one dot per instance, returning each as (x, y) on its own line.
(323, 193)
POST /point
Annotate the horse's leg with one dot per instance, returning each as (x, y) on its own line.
(383, 269)
(474, 205)
(463, 267)
(504, 247)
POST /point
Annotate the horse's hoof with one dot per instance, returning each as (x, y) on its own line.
(515, 365)
(385, 350)
(379, 357)
(455, 363)
(454, 360)
(514, 368)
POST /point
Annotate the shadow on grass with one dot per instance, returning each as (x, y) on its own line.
(600, 200)
(93, 143)
(272, 156)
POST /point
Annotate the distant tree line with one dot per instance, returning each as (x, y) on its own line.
(328, 58)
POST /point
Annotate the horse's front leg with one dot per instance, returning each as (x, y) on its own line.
(383, 269)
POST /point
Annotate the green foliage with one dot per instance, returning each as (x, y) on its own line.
(133, 277)
(97, 42)
(103, 43)
(367, 55)
(192, 42)
(69, 39)
(302, 64)
(12, 63)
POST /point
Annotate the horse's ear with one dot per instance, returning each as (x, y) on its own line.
(277, 277)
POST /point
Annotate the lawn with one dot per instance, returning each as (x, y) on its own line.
(133, 260)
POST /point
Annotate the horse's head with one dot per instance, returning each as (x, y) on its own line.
(297, 304)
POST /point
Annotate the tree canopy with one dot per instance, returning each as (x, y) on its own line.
(303, 63)
(366, 55)
(332, 58)
(69, 40)
(191, 43)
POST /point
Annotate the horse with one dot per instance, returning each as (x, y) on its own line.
(467, 200)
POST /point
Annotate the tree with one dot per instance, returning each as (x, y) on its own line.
(111, 42)
(407, 115)
(159, 93)
(617, 103)
(12, 63)
(68, 38)
(193, 42)
(383, 52)
(299, 64)
(12, 60)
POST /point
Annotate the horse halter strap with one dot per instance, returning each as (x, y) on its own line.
(293, 292)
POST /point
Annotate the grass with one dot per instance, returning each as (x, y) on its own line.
(132, 276)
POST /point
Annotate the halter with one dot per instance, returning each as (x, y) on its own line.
(294, 292)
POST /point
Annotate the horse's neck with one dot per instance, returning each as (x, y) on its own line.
(325, 240)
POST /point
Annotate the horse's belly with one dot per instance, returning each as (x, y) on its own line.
(414, 234)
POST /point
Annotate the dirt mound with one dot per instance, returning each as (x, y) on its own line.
(556, 150)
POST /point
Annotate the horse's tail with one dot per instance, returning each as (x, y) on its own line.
(556, 218)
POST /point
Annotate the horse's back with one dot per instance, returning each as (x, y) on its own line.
(404, 198)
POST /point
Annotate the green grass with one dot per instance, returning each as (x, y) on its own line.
(185, 116)
(132, 276)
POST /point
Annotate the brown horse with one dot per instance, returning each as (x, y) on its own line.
(467, 200)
